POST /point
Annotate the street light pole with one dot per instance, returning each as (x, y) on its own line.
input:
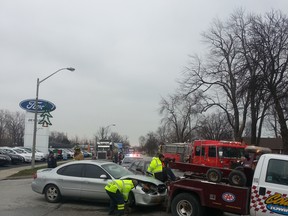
(36, 112)
(107, 127)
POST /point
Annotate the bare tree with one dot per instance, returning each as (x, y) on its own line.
(214, 126)
(117, 138)
(245, 72)
(12, 128)
(251, 79)
(166, 133)
(270, 35)
(15, 128)
(56, 137)
(177, 112)
(3, 131)
(151, 144)
(272, 122)
(220, 79)
(102, 133)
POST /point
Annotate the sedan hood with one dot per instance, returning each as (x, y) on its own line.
(143, 178)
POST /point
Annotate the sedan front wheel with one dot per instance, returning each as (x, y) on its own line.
(131, 200)
(52, 193)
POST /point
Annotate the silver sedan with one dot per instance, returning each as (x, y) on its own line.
(86, 179)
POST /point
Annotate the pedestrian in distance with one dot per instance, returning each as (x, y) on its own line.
(118, 191)
(120, 158)
(51, 160)
(78, 154)
(115, 157)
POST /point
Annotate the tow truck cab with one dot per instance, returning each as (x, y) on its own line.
(267, 195)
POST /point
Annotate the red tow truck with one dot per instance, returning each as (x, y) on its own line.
(267, 195)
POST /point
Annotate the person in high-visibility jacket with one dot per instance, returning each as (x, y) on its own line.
(118, 191)
(156, 167)
(159, 168)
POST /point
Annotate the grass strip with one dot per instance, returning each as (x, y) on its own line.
(28, 172)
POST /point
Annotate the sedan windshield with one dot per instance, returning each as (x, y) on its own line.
(115, 170)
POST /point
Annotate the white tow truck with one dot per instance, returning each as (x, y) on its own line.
(267, 195)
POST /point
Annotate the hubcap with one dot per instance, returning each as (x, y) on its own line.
(52, 193)
(184, 208)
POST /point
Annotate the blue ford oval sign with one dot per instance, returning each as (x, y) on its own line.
(43, 105)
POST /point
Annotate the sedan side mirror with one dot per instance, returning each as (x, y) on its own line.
(103, 176)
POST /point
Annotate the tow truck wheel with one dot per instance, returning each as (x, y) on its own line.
(214, 175)
(185, 204)
(237, 178)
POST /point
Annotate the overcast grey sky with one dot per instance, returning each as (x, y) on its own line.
(127, 54)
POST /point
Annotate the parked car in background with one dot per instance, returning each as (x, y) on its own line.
(15, 159)
(86, 179)
(28, 152)
(66, 154)
(27, 157)
(39, 156)
(4, 160)
(86, 154)
(129, 158)
(140, 166)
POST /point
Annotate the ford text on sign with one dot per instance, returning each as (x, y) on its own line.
(43, 105)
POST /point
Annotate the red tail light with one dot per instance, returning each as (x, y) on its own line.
(34, 175)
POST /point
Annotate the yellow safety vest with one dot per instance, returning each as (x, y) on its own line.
(124, 186)
(155, 165)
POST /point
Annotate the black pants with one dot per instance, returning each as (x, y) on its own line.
(165, 175)
(169, 174)
(116, 202)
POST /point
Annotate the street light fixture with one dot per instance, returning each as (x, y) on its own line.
(107, 127)
(36, 112)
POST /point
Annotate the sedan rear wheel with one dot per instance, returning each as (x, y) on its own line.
(52, 193)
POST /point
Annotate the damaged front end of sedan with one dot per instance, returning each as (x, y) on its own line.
(148, 193)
